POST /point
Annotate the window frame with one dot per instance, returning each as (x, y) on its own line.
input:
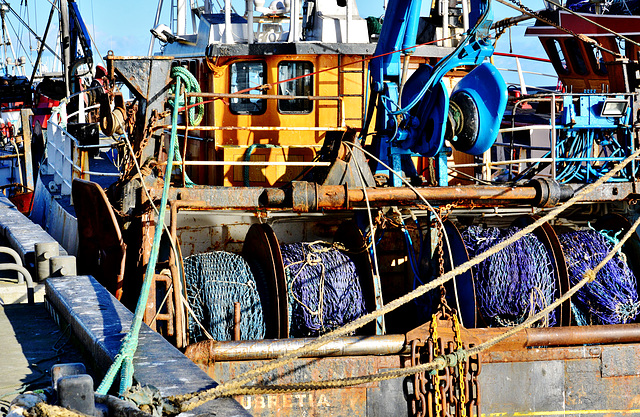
(308, 106)
(262, 102)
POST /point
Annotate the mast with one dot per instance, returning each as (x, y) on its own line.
(3, 11)
(65, 41)
(181, 18)
(6, 41)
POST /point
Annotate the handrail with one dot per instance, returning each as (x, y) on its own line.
(251, 163)
(262, 96)
(67, 157)
(30, 285)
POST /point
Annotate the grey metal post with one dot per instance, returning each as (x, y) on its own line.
(44, 252)
(62, 266)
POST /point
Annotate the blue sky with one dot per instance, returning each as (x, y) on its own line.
(123, 27)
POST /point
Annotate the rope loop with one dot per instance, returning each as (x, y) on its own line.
(191, 85)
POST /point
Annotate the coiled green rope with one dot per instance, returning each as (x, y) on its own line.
(196, 113)
(191, 85)
(124, 359)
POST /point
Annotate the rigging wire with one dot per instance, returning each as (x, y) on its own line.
(424, 200)
(189, 401)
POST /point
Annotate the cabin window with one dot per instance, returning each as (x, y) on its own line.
(576, 56)
(554, 49)
(287, 70)
(247, 75)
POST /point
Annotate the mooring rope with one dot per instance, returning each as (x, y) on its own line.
(189, 401)
(215, 281)
(124, 359)
(513, 283)
(191, 85)
(439, 362)
(323, 287)
(613, 297)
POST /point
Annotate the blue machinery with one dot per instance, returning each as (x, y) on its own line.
(416, 121)
(415, 118)
(594, 132)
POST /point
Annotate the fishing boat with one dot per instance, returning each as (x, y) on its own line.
(332, 220)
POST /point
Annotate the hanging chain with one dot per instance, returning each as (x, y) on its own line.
(419, 403)
(451, 391)
(435, 373)
(462, 374)
(475, 366)
(444, 306)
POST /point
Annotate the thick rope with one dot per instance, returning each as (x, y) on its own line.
(191, 85)
(441, 361)
(196, 108)
(124, 359)
(190, 401)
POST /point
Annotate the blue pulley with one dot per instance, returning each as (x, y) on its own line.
(478, 103)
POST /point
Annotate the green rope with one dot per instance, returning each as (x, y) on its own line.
(191, 85)
(124, 359)
(247, 157)
(187, 181)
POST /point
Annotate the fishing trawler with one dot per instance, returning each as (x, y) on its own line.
(323, 182)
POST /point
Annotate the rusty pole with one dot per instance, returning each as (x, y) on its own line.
(209, 351)
(236, 321)
(550, 336)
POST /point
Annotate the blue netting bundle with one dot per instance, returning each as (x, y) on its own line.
(613, 296)
(215, 280)
(323, 286)
(516, 282)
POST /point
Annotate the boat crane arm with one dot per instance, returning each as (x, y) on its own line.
(415, 119)
(75, 32)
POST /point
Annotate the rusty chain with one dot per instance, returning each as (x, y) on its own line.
(450, 391)
(474, 366)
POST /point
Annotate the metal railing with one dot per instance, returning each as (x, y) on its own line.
(340, 126)
(66, 157)
(551, 151)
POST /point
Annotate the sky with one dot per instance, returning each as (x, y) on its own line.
(122, 26)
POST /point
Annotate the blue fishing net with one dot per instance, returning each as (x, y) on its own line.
(516, 282)
(215, 280)
(323, 286)
(613, 297)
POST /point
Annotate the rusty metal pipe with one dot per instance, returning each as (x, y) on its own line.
(307, 196)
(180, 322)
(546, 336)
(444, 193)
(583, 335)
(236, 320)
(213, 351)
(210, 351)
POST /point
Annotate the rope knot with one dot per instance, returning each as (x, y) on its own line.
(313, 259)
(454, 358)
(590, 275)
(439, 362)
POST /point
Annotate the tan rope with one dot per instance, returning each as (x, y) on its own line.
(440, 361)
(190, 401)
